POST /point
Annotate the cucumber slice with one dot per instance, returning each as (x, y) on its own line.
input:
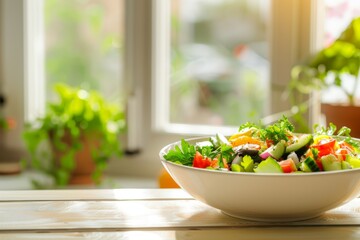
(269, 165)
(301, 146)
(331, 163)
(276, 151)
(309, 165)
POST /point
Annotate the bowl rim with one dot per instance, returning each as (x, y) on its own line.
(164, 150)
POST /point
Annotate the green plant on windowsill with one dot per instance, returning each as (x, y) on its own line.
(6, 123)
(332, 67)
(80, 125)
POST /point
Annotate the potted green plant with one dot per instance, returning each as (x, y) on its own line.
(335, 66)
(74, 140)
(6, 123)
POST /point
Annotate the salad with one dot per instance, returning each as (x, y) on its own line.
(272, 149)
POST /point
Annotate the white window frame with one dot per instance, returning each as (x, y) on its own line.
(34, 60)
(147, 69)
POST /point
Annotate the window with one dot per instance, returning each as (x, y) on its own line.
(150, 59)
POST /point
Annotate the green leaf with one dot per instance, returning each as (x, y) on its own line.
(67, 161)
(62, 177)
(344, 131)
(278, 131)
(227, 152)
(321, 130)
(315, 152)
(247, 163)
(248, 125)
(184, 155)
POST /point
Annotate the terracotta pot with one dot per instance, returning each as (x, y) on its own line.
(343, 115)
(84, 162)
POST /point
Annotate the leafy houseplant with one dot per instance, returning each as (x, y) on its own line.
(335, 66)
(6, 123)
(80, 124)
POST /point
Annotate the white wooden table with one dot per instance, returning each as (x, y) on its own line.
(150, 214)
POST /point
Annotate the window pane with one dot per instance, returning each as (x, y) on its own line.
(84, 44)
(220, 61)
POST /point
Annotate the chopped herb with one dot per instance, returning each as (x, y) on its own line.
(184, 155)
(278, 131)
(223, 152)
(344, 131)
(206, 151)
(315, 152)
(353, 143)
(248, 125)
(320, 130)
(226, 152)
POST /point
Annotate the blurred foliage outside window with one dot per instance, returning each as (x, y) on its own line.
(338, 15)
(219, 53)
(84, 45)
(219, 59)
(220, 66)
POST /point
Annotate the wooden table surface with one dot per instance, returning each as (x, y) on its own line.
(151, 214)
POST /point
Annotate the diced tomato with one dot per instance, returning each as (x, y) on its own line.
(327, 143)
(269, 142)
(201, 162)
(325, 147)
(319, 163)
(288, 166)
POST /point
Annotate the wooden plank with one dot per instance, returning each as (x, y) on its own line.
(143, 214)
(93, 194)
(275, 233)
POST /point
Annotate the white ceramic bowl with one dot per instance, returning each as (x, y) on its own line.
(266, 197)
